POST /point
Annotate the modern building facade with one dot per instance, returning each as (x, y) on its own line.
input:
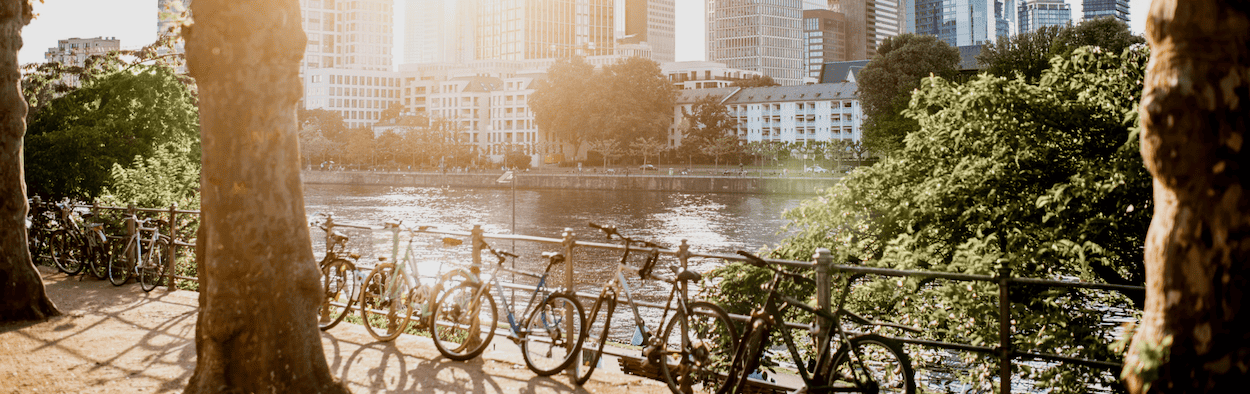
(75, 51)
(1035, 14)
(963, 22)
(825, 35)
(429, 36)
(703, 75)
(347, 63)
(1094, 9)
(758, 35)
(536, 29)
(797, 114)
(651, 23)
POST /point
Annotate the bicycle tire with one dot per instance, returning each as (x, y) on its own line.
(464, 321)
(99, 260)
(67, 252)
(885, 361)
(705, 364)
(151, 273)
(340, 285)
(549, 346)
(746, 357)
(37, 241)
(120, 265)
(385, 319)
(598, 325)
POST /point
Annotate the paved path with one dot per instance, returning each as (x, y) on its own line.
(122, 340)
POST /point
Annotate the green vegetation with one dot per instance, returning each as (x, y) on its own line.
(1028, 54)
(887, 82)
(1044, 179)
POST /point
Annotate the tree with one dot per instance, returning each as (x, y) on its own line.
(887, 82)
(22, 296)
(394, 111)
(1192, 336)
(720, 146)
(649, 145)
(639, 101)
(168, 176)
(256, 330)
(1030, 53)
(75, 140)
(565, 101)
(607, 147)
(755, 81)
(1038, 178)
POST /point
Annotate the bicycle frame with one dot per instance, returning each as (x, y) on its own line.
(136, 241)
(410, 274)
(516, 332)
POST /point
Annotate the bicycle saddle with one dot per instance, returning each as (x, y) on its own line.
(688, 275)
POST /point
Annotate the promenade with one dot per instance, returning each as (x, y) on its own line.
(122, 340)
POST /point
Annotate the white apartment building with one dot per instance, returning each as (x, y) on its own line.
(798, 114)
(75, 51)
(347, 63)
(758, 35)
(704, 75)
(359, 95)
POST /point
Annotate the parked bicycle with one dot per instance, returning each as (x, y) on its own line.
(40, 224)
(695, 348)
(340, 280)
(867, 363)
(142, 257)
(393, 292)
(66, 245)
(550, 334)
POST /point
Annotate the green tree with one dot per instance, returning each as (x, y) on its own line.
(720, 146)
(171, 175)
(647, 146)
(755, 81)
(639, 101)
(75, 140)
(1039, 178)
(1107, 33)
(887, 82)
(564, 102)
(607, 147)
(707, 123)
(1030, 53)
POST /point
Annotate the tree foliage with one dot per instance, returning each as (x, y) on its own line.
(564, 101)
(74, 140)
(168, 176)
(1040, 178)
(755, 81)
(1029, 53)
(887, 82)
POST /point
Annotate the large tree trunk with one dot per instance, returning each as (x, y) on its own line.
(259, 288)
(22, 296)
(1194, 113)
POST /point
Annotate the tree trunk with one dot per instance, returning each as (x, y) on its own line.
(1194, 112)
(22, 296)
(259, 286)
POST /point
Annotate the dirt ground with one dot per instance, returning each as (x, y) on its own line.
(122, 340)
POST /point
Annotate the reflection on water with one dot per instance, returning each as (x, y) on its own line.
(711, 223)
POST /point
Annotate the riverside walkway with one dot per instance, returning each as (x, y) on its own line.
(122, 340)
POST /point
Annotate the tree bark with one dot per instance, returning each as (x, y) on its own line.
(22, 296)
(1194, 336)
(259, 287)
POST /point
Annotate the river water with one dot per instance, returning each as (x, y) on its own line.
(711, 223)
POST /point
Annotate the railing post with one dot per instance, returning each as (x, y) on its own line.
(683, 256)
(479, 241)
(1004, 329)
(171, 257)
(569, 243)
(824, 259)
(130, 229)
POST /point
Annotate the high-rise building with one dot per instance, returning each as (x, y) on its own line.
(963, 22)
(537, 29)
(825, 32)
(1094, 9)
(1035, 14)
(758, 35)
(427, 38)
(347, 62)
(868, 23)
(652, 23)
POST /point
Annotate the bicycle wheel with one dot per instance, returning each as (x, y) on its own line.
(67, 252)
(746, 358)
(37, 240)
(551, 338)
(119, 266)
(151, 273)
(99, 260)
(464, 321)
(880, 366)
(704, 363)
(597, 326)
(386, 312)
(338, 280)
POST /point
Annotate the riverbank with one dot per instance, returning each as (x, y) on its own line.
(649, 181)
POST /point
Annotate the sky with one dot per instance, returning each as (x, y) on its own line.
(134, 22)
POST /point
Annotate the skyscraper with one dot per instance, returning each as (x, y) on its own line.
(651, 22)
(758, 35)
(427, 36)
(538, 29)
(347, 62)
(868, 23)
(1094, 9)
(825, 33)
(1035, 14)
(963, 22)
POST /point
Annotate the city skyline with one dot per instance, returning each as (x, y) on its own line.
(134, 23)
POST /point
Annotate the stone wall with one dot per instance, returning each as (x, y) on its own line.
(674, 183)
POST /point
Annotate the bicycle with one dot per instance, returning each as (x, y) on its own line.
(465, 319)
(89, 240)
(391, 290)
(686, 363)
(866, 363)
(149, 265)
(66, 245)
(340, 280)
(40, 223)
